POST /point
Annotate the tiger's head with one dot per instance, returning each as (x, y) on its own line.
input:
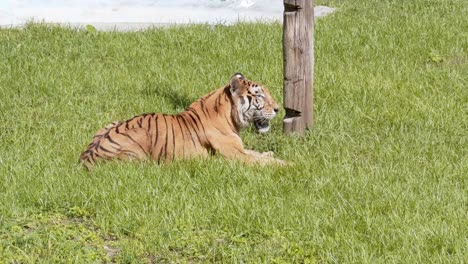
(253, 102)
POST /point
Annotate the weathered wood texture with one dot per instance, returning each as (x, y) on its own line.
(298, 56)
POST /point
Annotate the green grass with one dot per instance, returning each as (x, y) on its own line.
(380, 179)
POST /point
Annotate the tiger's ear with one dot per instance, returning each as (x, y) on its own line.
(238, 75)
(235, 83)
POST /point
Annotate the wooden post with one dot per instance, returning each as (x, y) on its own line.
(298, 56)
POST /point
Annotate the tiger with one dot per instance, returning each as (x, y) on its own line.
(208, 126)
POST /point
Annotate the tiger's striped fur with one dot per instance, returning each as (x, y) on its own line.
(209, 125)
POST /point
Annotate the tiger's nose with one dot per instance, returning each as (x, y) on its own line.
(276, 109)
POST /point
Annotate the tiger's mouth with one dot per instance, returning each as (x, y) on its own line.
(262, 125)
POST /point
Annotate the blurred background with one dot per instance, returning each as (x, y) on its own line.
(14, 12)
(141, 13)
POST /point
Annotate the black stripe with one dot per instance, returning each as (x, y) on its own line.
(118, 128)
(199, 119)
(173, 141)
(130, 151)
(226, 98)
(149, 129)
(188, 130)
(197, 116)
(118, 147)
(160, 154)
(203, 108)
(140, 121)
(250, 102)
(105, 150)
(167, 134)
(127, 135)
(156, 133)
(127, 125)
(182, 132)
(196, 130)
(108, 137)
(180, 126)
(97, 144)
(191, 117)
(209, 95)
(217, 103)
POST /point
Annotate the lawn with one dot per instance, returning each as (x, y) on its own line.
(381, 178)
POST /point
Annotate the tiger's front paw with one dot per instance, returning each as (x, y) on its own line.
(268, 154)
(280, 162)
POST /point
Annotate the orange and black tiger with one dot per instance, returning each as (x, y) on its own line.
(209, 125)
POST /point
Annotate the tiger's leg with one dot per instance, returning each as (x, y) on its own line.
(262, 154)
(264, 157)
(132, 144)
(89, 156)
(107, 144)
(233, 148)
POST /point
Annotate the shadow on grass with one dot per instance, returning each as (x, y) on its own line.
(176, 96)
